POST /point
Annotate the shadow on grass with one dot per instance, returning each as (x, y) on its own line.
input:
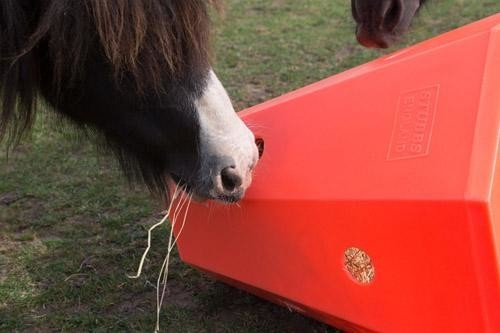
(72, 231)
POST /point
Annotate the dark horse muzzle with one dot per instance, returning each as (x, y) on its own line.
(382, 22)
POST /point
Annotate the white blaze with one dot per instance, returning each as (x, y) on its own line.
(223, 134)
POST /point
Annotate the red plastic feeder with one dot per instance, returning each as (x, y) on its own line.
(375, 204)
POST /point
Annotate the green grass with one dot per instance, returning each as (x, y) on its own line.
(72, 229)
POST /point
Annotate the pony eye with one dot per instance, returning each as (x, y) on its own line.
(260, 146)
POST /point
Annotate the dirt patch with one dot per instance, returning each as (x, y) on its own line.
(80, 220)
(77, 309)
(77, 279)
(150, 220)
(133, 303)
(3, 267)
(9, 198)
(344, 53)
(256, 92)
(30, 211)
(176, 296)
(18, 216)
(252, 93)
(278, 3)
(179, 296)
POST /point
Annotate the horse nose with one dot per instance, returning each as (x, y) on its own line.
(372, 38)
(230, 179)
(379, 26)
(230, 183)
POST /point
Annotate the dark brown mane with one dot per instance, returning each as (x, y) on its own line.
(138, 39)
(144, 40)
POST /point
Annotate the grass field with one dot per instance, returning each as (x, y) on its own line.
(71, 228)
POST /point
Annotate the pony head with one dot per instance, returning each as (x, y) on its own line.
(135, 74)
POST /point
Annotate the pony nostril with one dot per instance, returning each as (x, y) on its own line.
(260, 146)
(230, 178)
(392, 16)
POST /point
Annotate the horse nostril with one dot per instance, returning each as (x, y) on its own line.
(260, 146)
(230, 178)
(392, 16)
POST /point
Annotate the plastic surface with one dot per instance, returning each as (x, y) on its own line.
(397, 157)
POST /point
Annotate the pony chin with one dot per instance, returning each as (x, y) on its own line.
(174, 189)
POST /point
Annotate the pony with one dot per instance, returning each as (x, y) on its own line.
(136, 75)
(380, 23)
